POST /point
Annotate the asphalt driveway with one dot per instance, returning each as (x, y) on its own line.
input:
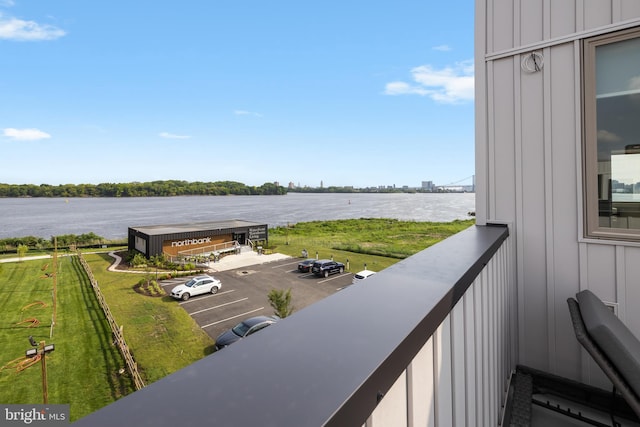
(244, 293)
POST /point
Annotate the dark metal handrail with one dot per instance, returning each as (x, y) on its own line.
(329, 364)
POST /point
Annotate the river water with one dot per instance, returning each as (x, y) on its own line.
(111, 217)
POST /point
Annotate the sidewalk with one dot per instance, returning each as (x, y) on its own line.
(229, 262)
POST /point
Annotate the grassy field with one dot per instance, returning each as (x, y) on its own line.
(378, 243)
(83, 370)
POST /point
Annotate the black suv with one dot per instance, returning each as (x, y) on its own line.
(325, 267)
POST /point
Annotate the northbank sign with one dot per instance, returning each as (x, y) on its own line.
(191, 242)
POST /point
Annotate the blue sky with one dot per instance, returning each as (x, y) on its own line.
(345, 92)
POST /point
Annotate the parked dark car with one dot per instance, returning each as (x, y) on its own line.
(305, 266)
(244, 329)
(325, 267)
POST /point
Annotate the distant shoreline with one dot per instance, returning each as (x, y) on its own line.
(173, 188)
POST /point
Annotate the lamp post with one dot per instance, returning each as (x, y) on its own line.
(42, 352)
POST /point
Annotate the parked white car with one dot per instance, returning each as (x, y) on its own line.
(362, 275)
(196, 286)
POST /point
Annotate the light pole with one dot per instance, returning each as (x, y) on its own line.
(42, 352)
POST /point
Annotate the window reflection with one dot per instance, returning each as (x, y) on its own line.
(618, 133)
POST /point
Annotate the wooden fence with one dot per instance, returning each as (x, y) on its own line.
(118, 337)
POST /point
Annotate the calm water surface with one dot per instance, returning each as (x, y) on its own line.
(111, 217)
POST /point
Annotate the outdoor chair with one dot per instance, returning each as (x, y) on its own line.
(610, 343)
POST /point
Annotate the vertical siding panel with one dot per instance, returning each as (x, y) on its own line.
(549, 206)
(616, 11)
(514, 319)
(563, 17)
(491, 144)
(503, 168)
(629, 9)
(420, 383)
(580, 15)
(479, 351)
(431, 385)
(481, 130)
(458, 350)
(597, 13)
(533, 221)
(444, 392)
(484, 322)
(503, 366)
(601, 267)
(493, 357)
(564, 217)
(628, 307)
(470, 354)
(502, 34)
(530, 21)
(621, 280)
(392, 410)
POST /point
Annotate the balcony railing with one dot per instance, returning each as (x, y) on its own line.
(428, 341)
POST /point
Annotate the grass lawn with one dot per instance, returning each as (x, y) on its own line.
(376, 242)
(83, 368)
(160, 333)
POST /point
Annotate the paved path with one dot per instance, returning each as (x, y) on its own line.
(229, 262)
(27, 258)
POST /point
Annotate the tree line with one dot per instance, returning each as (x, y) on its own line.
(62, 241)
(140, 189)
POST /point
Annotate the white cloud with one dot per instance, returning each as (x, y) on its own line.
(442, 48)
(246, 113)
(449, 85)
(17, 29)
(25, 134)
(634, 83)
(173, 136)
(606, 136)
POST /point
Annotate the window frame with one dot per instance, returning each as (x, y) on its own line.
(592, 227)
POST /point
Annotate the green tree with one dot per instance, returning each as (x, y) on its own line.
(158, 261)
(280, 300)
(22, 251)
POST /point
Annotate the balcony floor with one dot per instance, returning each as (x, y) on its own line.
(542, 417)
(540, 399)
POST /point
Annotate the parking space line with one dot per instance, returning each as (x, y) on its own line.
(282, 265)
(208, 296)
(218, 306)
(333, 278)
(232, 317)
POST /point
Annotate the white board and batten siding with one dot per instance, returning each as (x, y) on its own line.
(459, 376)
(528, 170)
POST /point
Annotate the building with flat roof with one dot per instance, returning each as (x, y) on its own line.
(195, 237)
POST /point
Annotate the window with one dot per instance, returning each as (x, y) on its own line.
(611, 78)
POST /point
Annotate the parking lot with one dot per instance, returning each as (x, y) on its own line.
(245, 290)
